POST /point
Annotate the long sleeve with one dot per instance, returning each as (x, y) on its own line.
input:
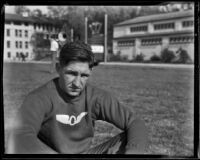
(109, 109)
(26, 125)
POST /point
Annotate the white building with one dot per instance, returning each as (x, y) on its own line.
(150, 34)
(18, 31)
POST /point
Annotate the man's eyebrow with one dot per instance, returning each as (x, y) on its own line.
(71, 71)
(85, 74)
(76, 72)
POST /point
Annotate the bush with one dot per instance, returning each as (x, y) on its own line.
(117, 58)
(183, 56)
(167, 56)
(155, 58)
(139, 58)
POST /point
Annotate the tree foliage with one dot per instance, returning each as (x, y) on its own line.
(73, 17)
(167, 55)
(21, 9)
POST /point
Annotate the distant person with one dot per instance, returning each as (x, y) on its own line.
(23, 57)
(59, 117)
(54, 51)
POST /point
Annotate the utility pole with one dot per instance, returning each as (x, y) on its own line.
(105, 37)
(86, 30)
(72, 35)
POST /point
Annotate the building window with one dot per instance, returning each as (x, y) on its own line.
(47, 36)
(152, 41)
(26, 24)
(185, 39)
(20, 44)
(16, 44)
(139, 29)
(17, 23)
(21, 54)
(26, 33)
(34, 26)
(26, 54)
(8, 44)
(50, 28)
(16, 33)
(188, 24)
(8, 32)
(7, 22)
(164, 26)
(26, 45)
(126, 43)
(8, 54)
(20, 33)
(17, 54)
(47, 27)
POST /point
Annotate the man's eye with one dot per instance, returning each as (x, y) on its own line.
(71, 73)
(85, 75)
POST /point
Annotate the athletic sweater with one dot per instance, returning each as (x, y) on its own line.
(50, 122)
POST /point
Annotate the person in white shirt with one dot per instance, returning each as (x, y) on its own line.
(54, 51)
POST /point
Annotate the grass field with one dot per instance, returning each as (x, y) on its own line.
(163, 97)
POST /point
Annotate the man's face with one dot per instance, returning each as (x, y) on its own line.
(73, 77)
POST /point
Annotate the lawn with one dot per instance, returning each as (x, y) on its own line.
(163, 97)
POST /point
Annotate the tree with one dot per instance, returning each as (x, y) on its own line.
(69, 17)
(74, 16)
(21, 9)
(37, 13)
(148, 10)
(40, 45)
(167, 55)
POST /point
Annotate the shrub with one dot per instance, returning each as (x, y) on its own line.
(155, 58)
(167, 56)
(139, 58)
(117, 57)
(183, 56)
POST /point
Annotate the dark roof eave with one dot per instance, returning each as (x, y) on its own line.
(17, 18)
(153, 34)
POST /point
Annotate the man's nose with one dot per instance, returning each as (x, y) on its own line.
(77, 81)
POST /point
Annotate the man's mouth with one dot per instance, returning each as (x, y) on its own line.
(75, 89)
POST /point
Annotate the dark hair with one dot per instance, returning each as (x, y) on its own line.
(76, 51)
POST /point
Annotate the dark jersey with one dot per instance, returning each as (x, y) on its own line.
(51, 122)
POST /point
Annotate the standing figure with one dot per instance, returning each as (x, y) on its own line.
(54, 51)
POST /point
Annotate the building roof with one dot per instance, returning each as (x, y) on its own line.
(42, 20)
(157, 17)
(20, 18)
(16, 17)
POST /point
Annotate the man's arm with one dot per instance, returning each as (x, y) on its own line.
(26, 125)
(109, 109)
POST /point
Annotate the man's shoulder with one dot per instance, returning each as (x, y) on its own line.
(44, 89)
(97, 91)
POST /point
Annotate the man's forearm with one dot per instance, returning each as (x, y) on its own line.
(23, 142)
(137, 138)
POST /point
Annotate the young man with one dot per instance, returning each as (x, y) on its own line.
(59, 116)
(54, 51)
